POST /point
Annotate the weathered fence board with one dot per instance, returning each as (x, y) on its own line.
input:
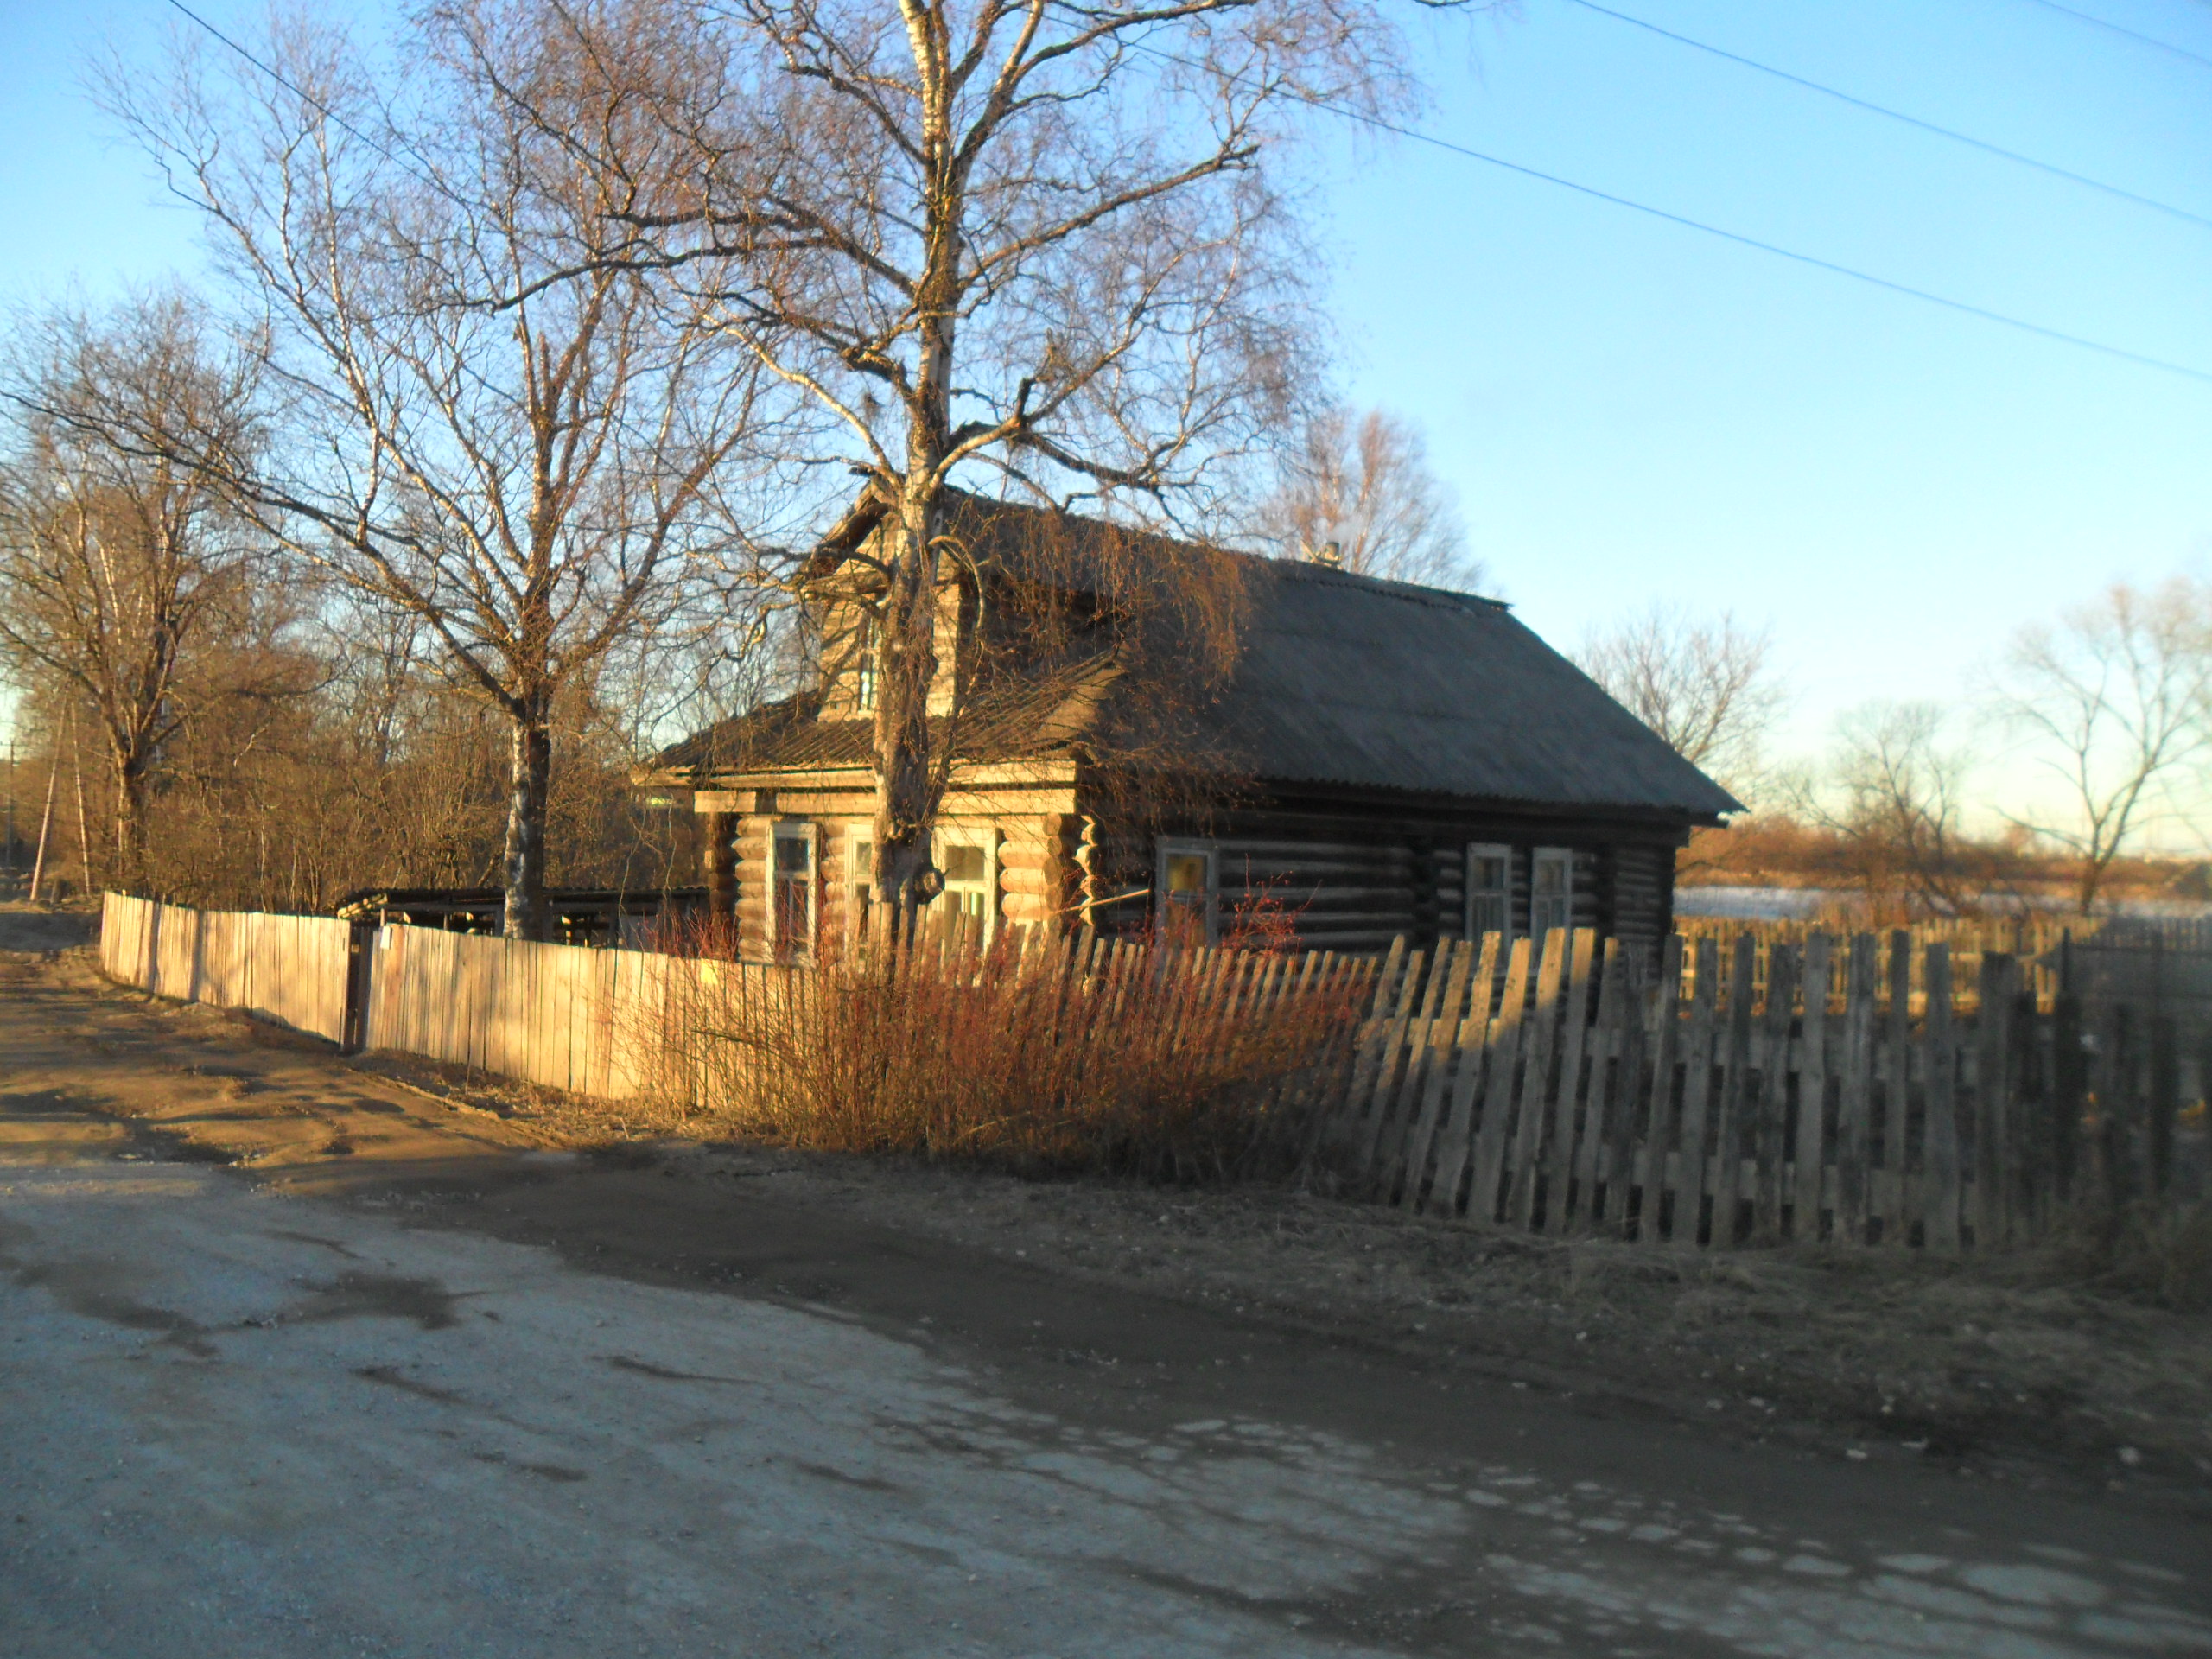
(288, 970)
(1868, 1092)
(1898, 1107)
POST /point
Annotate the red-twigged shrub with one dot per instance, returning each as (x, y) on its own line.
(697, 934)
(1064, 1055)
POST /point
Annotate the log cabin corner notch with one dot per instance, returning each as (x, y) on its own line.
(1380, 758)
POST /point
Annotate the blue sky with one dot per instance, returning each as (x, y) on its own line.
(1631, 410)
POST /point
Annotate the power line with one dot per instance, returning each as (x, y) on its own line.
(1858, 103)
(1965, 307)
(2132, 34)
(316, 104)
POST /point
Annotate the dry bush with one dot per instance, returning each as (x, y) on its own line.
(2160, 1253)
(1062, 1056)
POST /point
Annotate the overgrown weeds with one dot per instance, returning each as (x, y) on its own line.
(2161, 1253)
(1035, 1054)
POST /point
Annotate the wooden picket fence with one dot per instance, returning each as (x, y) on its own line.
(1566, 1089)
(1856, 1091)
(290, 970)
(567, 1016)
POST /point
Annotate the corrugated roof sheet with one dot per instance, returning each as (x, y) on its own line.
(1338, 679)
(1349, 679)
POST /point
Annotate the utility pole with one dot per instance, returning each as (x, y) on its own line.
(45, 825)
(84, 847)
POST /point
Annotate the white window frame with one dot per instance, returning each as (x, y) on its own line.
(987, 841)
(806, 830)
(1184, 849)
(1538, 858)
(1470, 893)
(860, 871)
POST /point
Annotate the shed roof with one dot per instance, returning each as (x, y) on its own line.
(1337, 679)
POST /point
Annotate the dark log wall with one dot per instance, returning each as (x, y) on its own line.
(1342, 895)
(1355, 885)
(1340, 879)
(1644, 894)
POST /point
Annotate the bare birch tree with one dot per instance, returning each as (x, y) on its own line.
(1894, 793)
(532, 483)
(2116, 702)
(1042, 241)
(1363, 487)
(128, 586)
(1704, 685)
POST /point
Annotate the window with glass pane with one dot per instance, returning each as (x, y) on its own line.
(967, 878)
(793, 889)
(1551, 890)
(1489, 890)
(1187, 894)
(860, 880)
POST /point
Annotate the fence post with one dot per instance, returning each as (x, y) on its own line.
(1500, 1060)
(1573, 1044)
(1624, 1087)
(1536, 1082)
(1604, 1044)
(1897, 1209)
(1994, 1103)
(2110, 1078)
(1455, 1140)
(2166, 1103)
(1369, 1145)
(1697, 1096)
(1811, 1139)
(1409, 1165)
(1735, 1091)
(1772, 1098)
(1372, 1050)
(2069, 1086)
(1940, 1211)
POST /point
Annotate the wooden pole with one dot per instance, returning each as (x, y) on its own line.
(45, 826)
(84, 836)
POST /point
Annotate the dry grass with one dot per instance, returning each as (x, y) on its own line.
(1039, 1056)
(2154, 1253)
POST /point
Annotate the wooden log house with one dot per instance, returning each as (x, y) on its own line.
(1372, 760)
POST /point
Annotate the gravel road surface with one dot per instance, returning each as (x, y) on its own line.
(506, 1401)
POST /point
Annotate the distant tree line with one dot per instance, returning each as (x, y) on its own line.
(2107, 708)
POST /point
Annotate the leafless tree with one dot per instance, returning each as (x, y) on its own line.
(531, 483)
(1893, 792)
(1045, 242)
(129, 591)
(1703, 684)
(2116, 702)
(1359, 490)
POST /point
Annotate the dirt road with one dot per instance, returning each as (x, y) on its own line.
(400, 1383)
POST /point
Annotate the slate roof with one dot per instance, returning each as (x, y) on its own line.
(1339, 679)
